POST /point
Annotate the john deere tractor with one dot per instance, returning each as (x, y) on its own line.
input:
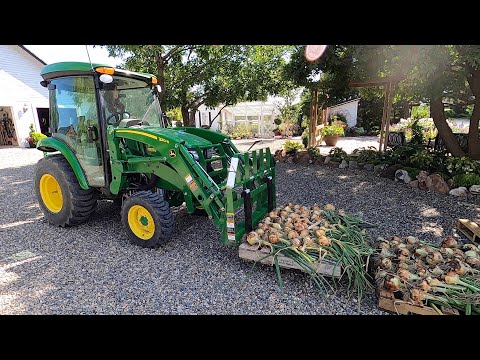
(110, 141)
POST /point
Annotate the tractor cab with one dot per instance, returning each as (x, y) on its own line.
(87, 98)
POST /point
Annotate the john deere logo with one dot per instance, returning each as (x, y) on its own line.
(172, 153)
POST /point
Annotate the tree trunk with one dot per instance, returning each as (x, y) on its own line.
(473, 135)
(185, 115)
(444, 130)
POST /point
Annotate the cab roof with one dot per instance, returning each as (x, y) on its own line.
(70, 68)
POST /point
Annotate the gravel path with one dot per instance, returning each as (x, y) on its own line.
(93, 269)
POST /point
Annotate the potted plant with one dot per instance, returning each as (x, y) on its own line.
(277, 131)
(34, 137)
(331, 133)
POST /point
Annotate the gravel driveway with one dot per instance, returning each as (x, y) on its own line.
(93, 269)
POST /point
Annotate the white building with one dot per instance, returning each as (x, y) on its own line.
(259, 115)
(23, 101)
(348, 108)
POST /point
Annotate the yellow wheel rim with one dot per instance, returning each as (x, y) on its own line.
(141, 222)
(51, 193)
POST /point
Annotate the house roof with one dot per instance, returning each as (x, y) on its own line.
(32, 54)
(345, 102)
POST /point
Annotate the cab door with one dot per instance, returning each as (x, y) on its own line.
(74, 121)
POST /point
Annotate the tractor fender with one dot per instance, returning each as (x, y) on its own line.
(49, 144)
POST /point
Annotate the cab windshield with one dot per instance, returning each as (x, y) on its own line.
(132, 99)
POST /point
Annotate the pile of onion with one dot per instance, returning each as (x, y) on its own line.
(430, 274)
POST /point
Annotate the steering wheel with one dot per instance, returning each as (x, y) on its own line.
(117, 117)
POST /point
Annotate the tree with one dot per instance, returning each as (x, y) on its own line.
(431, 73)
(210, 75)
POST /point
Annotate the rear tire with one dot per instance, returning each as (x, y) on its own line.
(62, 200)
(148, 219)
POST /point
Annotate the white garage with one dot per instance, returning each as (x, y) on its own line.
(23, 101)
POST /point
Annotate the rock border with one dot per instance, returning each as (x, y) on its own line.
(424, 180)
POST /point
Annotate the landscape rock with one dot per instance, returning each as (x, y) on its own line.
(289, 159)
(450, 183)
(327, 159)
(475, 189)
(377, 169)
(389, 172)
(319, 161)
(333, 164)
(402, 176)
(368, 167)
(436, 183)
(352, 164)
(302, 157)
(343, 164)
(422, 180)
(413, 184)
(460, 191)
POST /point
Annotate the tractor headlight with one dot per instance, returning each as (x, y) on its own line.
(194, 154)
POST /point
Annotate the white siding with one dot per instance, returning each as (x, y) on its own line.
(349, 109)
(20, 88)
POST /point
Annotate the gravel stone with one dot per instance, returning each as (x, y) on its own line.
(93, 268)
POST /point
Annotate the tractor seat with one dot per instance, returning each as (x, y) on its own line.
(126, 123)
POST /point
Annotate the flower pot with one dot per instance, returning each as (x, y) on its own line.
(331, 140)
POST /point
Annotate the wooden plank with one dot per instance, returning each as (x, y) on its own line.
(388, 302)
(252, 253)
(470, 229)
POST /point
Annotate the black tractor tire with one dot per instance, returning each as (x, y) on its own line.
(142, 208)
(77, 204)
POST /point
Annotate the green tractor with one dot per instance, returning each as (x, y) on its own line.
(110, 141)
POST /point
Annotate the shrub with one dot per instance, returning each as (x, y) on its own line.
(315, 152)
(331, 130)
(462, 165)
(291, 147)
(178, 124)
(243, 131)
(422, 159)
(337, 153)
(366, 155)
(305, 138)
(466, 180)
(420, 112)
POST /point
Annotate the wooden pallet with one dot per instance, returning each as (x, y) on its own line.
(252, 253)
(470, 229)
(388, 302)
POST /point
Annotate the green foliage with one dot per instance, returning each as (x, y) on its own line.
(192, 75)
(417, 133)
(337, 153)
(305, 138)
(422, 159)
(174, 114)
(466, 180)
(178, 123)
(315, 152)
(462, 165)
(369, 114)
(291, 147)
(36, 136)
(355, 131)
(242, 131)
(412, 172)
(366, 155)
(332, 130)
(420, 112)
(33, 136)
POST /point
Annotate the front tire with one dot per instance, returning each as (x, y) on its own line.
(148, 219)
(62, 200)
